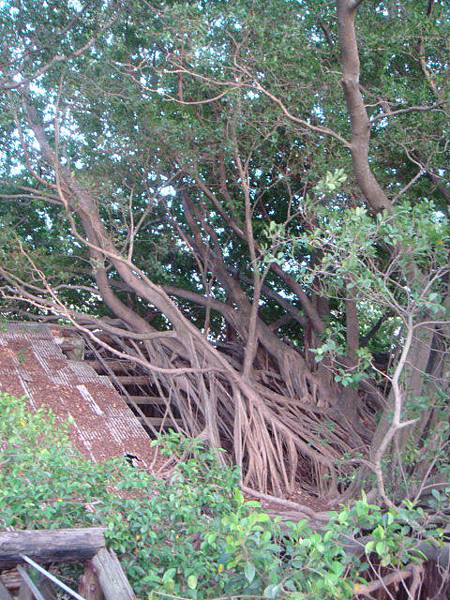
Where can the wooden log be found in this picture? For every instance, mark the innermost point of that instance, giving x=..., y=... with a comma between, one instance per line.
x=89, y=586
x=113, y=581
x=50, y=545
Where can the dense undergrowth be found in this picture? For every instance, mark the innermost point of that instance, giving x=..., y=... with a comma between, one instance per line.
x=193, y=534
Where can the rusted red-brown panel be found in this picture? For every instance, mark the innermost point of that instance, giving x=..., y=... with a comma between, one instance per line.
x=33, y=365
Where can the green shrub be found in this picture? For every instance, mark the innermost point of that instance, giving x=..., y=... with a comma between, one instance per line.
x=193, y=535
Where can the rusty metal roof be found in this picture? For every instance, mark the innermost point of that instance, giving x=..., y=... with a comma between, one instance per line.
x=33, y=365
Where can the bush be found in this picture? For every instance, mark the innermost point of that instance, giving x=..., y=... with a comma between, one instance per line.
x=193, y=535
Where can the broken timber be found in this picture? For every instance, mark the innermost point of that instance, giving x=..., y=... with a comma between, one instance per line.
x=52, y=545
x=68, y=545
x=111, y=577
x=32, y=363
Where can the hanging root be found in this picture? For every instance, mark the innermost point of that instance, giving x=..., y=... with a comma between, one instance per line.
x=279, y=440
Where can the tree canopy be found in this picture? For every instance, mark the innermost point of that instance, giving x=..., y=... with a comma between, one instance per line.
x=251, y=199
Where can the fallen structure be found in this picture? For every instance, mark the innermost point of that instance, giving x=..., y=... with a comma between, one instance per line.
x=103, y=578
x=32, y=364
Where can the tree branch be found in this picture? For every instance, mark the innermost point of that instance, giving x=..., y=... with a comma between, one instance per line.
x=359, y=118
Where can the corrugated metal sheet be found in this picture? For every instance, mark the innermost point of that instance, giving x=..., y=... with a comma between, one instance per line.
x=33, y=365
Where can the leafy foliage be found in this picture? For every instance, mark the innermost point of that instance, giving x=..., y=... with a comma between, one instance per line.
x=194, y=168
x=193, y=534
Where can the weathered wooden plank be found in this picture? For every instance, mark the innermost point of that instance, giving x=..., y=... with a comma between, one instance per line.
x=89, y=586
x=118, y=366
x=50, y=545
x=146, y=400
x=25, y=593
x=4, y=594
x=11, y=579
x=113, y=581
x=47, y=589
x=132, y=379
x=158, y=421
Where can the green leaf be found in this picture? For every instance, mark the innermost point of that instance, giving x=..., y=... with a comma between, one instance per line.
x=249, y=571
x=169, y=575
x=380, y=548
x=192, y=581
x=238, y=496
x=272, y=590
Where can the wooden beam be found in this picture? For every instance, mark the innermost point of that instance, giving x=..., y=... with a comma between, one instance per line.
x=118, y=366
x=47, y=589
x=147, y=400
x=158, y=421
x=89, y=586
x=25, y=593
x=113, y=581
x=11, y=580
x=50, y=545
x=4, y=594
x=132, y=379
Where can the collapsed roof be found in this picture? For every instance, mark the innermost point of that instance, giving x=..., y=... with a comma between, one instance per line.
x=32, y=364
